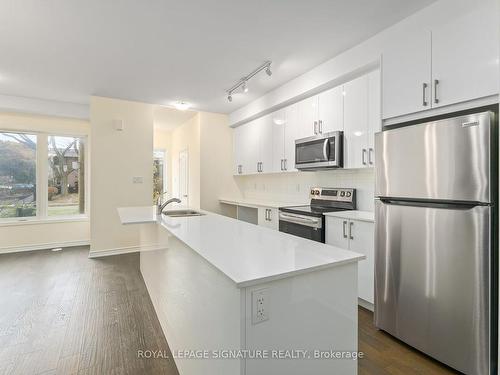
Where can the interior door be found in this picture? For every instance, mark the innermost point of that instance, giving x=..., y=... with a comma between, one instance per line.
x=184, y=177
x=406, y=63
x=356, y=123
x=465, y=54
x=432, y=280
x=331, y=110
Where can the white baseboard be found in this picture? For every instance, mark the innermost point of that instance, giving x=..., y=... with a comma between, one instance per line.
x=42, y=246
x=367, y=305
x=124, y=250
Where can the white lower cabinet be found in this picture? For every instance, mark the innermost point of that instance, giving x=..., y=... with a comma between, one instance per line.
x=358, y=236
x=268, y=217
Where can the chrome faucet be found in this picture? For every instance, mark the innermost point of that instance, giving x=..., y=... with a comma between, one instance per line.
x=161, y=207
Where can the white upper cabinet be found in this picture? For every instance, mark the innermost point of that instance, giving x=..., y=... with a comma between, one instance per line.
x=465, y=56
x=278, y=148
x=308, y=117
x=456, y=60
x=374, y=113
x=356, y=123
x=407, y=74
x=292, y=127
x=238, y=152
x=361, y=120
x=330, y=110
x=251, y=152
x=265, y=146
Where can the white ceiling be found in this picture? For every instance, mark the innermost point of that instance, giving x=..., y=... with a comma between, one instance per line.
x=169, y=118
x=159, y=51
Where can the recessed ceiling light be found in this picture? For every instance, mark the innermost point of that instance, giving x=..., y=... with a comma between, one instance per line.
x=182, y=106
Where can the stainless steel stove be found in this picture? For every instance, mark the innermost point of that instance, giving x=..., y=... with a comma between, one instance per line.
x=309, y=221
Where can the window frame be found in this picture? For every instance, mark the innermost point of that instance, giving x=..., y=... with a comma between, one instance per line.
x=42, y=177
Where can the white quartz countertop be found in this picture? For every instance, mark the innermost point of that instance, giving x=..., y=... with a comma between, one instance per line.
x=246, y=253
x=249, y=202
x=353, y=215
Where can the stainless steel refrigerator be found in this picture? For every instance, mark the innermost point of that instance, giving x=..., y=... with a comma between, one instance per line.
x=435, y=239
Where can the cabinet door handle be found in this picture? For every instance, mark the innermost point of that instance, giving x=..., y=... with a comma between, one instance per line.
x=344, y=224
x=320, y=126
x=436, y=83
x=350, y=230
x=282, y=168
x=286, y=168
x=424, y=96
x=370, y=153
x=315, y=127
x=269, y=215
x=363, y=156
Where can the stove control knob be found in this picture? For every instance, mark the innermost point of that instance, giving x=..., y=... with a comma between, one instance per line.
x=317, y=192
x=348, y=194
x=342, y=193
x=312, y=191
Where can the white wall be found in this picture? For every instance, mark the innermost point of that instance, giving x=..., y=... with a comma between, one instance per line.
x=43, y=234
x=116, y=157
x=216, y=169
x=43, y=107
x=295, y=186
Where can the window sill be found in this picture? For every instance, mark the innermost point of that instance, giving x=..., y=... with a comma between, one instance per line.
x=35, y=221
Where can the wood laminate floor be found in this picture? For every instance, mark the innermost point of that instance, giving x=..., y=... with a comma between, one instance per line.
x=62, y=313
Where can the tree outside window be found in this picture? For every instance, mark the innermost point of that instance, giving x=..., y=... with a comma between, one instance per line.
x=66, y=176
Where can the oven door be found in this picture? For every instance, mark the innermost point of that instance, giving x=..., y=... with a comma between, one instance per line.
x=303, y=226
x=324, y=151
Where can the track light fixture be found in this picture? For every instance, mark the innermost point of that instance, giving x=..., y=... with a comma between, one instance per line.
x=243, y=82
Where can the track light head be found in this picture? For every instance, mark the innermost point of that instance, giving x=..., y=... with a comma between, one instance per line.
x=268, y=71
x=244, y=87
x=229, y=98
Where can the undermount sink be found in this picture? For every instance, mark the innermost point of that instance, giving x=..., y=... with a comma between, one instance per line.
x=182, y=213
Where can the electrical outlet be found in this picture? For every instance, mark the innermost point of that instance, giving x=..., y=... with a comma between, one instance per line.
x=260, y=306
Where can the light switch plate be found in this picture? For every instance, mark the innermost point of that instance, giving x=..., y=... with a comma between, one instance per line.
x=137, y=180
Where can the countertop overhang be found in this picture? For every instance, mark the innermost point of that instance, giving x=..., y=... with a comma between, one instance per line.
x=246, y=253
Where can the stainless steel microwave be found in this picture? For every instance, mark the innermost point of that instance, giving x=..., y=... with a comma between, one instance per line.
x=320, y=152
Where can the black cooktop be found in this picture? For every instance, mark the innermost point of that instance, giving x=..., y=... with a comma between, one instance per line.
x=316, y=211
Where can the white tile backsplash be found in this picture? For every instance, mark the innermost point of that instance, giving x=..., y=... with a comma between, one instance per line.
x=295, y=186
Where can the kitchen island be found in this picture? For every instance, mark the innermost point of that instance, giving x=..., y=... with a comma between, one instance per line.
x=236, y=298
